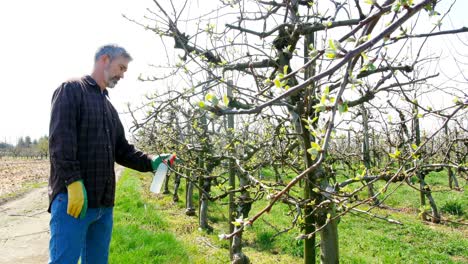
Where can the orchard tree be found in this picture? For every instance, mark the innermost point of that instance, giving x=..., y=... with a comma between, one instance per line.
x=283, y=85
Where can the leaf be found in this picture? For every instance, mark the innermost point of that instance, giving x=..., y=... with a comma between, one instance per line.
x=363, y=39
x=364, y=56
x=315, y=146
x=314, y=150
x=285, y=69
x=371, y=67
x=214, y=100
x=364, y=172
x=277, y=83
x=396, y=154
x=313, y=53
x=414, y=146
x=428, y=7
x=201, y=104
x=209, y=97
x=327, y=24
x=331, y=44
x=319, y=108
x=323, y=100
x=330, y=53
x=226, y=100
x=343, y=108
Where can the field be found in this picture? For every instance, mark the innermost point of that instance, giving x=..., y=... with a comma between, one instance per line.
x=152, y=229
x=18, y=175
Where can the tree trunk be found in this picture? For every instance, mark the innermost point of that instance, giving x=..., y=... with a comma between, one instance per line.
x=244, y=204
x=309, y=219
x=175, y=196
x=189, y=208
x=366, y=153
x=452, y=179
x=329, y=248
x=232, y=179
x=277, y=174
x=166, y=183
x=434, y=211
x=204, y=206
x=204, y=184
x=425, y=190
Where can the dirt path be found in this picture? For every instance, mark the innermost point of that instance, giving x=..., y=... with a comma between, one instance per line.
x=24, y=228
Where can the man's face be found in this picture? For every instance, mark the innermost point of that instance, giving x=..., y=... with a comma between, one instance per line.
x=114, y=70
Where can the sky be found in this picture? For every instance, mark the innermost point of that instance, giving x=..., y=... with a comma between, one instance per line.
x=44, y=43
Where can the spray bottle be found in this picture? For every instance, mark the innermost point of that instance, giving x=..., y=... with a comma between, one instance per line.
x=160, y=174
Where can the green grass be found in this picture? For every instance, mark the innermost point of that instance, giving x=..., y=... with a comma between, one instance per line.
x=366, y=241
x=151, y=228
x=140, y=235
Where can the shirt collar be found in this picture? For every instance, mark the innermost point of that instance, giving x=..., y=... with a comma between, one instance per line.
x=91, y=82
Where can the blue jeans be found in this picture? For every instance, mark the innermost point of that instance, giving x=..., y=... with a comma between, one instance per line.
x=71, y=238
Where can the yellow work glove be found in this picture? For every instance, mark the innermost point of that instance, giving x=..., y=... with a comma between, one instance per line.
x=77, y=199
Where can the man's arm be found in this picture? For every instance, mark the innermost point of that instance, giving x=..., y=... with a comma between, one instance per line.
x=63, y=146
x=63, y=133
x=127, y=155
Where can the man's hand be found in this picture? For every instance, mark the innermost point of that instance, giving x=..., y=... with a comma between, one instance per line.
x=77, y=199
x=166, y=158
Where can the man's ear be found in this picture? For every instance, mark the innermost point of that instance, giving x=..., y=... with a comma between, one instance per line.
x=105, y=59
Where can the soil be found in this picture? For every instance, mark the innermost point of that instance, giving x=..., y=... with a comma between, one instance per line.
x=24, y=221
x=17, y=176
x=24, y=228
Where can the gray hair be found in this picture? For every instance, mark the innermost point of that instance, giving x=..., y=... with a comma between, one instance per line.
x=113, y=51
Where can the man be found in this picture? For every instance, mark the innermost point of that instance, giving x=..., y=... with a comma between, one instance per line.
x=86, y=137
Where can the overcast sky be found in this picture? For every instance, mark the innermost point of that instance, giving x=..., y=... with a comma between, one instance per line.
x=46, y=42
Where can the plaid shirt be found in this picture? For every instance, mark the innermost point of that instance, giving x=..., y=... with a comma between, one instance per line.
x=86, y=137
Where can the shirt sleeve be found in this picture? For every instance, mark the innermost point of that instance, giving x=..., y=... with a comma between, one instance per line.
x=63, y=143
x=127, y=155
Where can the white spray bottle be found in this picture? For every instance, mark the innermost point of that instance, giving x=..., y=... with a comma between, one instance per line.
x=160, y=175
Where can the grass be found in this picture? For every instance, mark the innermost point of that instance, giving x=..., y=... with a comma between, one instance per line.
x=140, y=235
x=152, y=228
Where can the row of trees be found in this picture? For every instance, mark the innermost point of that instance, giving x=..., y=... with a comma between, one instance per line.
x=343, y=94
x=25, y=147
